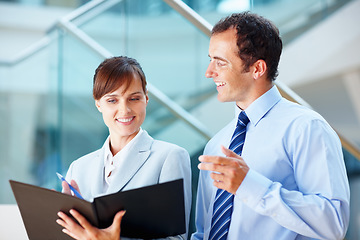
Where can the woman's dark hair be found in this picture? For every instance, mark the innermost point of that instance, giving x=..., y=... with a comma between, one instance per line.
x=113, y=72
x=257, y=38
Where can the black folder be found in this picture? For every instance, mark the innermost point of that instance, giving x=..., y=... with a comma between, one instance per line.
x=155, y=211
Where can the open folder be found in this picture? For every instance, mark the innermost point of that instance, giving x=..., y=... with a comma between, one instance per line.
x=154, y=211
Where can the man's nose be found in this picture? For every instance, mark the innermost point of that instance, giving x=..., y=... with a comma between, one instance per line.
x=210, y=73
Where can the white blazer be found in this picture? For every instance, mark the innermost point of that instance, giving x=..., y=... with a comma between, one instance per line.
x=151, y=162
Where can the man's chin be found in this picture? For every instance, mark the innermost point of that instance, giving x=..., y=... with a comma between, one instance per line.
x=222, y=99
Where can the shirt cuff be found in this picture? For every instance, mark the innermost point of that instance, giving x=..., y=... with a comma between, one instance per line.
x=253, y=188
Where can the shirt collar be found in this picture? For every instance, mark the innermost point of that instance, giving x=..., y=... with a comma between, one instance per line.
x=257, y=109
x=107, y=153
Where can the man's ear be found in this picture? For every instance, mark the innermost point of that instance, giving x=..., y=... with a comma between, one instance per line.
x=97, y=104
x=259, y=69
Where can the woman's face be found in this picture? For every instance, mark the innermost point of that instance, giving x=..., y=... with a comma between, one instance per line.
x=124, y=111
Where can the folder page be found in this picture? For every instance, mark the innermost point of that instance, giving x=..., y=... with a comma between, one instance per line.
x=39, y=207
x=154, y=211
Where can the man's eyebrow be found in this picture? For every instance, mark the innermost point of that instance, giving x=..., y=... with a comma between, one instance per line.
x=219, y=58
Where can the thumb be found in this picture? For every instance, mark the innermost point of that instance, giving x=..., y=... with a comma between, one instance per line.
x=117, y=219
x=228, y=152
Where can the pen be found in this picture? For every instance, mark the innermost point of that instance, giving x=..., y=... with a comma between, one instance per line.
x=71, y=187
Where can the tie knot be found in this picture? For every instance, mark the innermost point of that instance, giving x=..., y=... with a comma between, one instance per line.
x=243, y=119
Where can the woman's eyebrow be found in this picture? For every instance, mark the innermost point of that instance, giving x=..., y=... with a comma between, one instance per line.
x=138, y=92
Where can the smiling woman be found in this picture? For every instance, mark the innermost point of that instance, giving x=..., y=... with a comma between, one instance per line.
x=124, y=106
x=129, y=158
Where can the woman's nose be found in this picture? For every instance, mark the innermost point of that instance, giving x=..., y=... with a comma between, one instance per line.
x=123, y=107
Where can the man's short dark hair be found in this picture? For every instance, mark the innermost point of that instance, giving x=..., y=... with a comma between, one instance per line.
x=257, y=38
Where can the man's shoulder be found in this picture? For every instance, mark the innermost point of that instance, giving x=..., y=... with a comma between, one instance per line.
x=294, y=111
x=289, y=115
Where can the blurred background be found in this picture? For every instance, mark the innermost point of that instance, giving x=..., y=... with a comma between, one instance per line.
x=49, y=50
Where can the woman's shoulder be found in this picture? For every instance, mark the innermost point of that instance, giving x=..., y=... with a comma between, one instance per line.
x=162, y=145
x=166, y=146
x=87, y=158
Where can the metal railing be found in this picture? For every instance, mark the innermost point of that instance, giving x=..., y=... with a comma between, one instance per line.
x=27, y=53
x=66, y=24
x=189, y=14
x=285, y=91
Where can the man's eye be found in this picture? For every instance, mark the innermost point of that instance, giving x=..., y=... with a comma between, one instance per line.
x=220, y=63
x=134, y=99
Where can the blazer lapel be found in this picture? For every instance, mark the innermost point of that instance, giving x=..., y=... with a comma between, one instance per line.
x=97, y=179
x=135, y=159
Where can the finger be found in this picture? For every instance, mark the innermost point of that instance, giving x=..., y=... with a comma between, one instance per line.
x=70, y=234
x=65, y=220
x=213, y=167
x=219, y=185
x=214, y=159
x=217, y=177
x=60, y=222
x=75, y=185
x=66, y=188
x=81, y=219
x=70, y=227
x=223, y=182
x=228, y=152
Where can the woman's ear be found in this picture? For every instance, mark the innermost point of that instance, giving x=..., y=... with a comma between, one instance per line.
x=97, y=104
x=259, y=69
x=147, y=97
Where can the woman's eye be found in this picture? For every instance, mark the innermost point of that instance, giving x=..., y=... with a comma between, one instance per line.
x=111, y=101
x=134, y=99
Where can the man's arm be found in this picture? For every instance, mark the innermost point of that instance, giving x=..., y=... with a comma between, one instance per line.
x=318, y=208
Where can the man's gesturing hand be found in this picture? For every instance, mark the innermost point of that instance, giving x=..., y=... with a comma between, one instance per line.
x=228, y=172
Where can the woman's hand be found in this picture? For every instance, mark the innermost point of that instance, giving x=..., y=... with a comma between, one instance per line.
x=66, y=188
x=85, y=231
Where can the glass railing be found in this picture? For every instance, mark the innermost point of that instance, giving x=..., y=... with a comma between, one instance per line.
x=167, y=45
x=61, y=122
x=47, y=113
x=28, y=122
x=80, y=121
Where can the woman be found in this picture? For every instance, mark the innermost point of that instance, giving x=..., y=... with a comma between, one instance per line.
x=129, y=158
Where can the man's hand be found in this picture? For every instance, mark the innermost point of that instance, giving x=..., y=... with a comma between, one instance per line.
x=85, y=231
x=228, y=172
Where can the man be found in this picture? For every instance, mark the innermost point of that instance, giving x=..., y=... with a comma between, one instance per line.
x=290, y=181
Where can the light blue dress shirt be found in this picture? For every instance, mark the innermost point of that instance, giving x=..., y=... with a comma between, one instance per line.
x=297, y=187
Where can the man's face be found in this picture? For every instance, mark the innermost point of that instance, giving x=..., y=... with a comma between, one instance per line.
x=226, y=68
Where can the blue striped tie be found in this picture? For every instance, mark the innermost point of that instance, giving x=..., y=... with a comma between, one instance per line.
x=223, y=204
